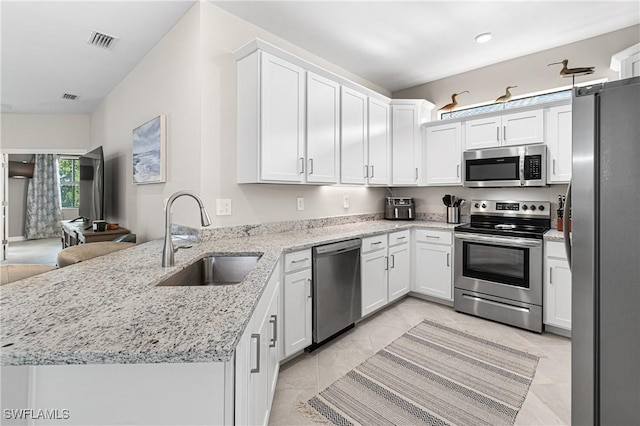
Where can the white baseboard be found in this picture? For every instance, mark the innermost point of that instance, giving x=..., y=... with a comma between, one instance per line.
x=20, y=238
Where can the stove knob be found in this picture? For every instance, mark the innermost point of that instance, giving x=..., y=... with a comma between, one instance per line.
x=525, y=207
x=476, y=205
x=484, y=206
x=533, y=208
x=541, y=208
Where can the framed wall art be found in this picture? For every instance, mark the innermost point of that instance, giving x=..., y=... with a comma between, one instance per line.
x=150, y=151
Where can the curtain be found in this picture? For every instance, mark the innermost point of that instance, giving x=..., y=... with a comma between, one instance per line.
x=44, y=208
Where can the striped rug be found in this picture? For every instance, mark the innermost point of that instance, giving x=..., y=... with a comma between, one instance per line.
x=434, y=375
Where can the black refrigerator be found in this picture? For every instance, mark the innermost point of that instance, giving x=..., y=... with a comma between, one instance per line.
x=604, y=254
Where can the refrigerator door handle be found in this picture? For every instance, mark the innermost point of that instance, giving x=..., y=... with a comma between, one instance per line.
x=565, y=225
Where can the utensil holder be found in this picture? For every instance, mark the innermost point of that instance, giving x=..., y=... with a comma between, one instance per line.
x=453, y=214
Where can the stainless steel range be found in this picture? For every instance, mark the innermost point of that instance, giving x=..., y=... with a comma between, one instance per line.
x=498, y=262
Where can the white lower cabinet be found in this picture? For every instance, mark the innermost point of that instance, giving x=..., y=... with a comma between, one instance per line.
x=433, y=262
x=557, y=286
x=257, y=359
x=297, y=302
x=385, y=269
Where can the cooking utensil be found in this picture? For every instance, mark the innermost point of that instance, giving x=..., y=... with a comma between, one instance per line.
x=447, y=200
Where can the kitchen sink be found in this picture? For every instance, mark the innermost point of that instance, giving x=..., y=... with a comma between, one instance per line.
x=214, y=270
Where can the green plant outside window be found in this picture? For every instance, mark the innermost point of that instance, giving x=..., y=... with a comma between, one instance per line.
x=69, y=182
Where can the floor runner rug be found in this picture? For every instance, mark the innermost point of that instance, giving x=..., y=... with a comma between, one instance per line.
x=431, y=375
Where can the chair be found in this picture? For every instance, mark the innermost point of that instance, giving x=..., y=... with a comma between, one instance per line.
x=82, y=252
x=11, y=273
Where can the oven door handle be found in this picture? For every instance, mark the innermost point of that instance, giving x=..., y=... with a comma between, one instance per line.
x=511, y=242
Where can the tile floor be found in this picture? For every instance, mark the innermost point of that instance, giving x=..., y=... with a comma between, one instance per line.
x=548, y=401
x=43, y=251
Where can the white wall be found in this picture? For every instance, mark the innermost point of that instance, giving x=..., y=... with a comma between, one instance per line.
x=166, y=81
x=190, y=76
x=45, y=131
x=530, y=73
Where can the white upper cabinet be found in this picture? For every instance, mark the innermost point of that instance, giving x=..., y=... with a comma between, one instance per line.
x=271, y=104
x=518, y=128
x=558, y=140
x=353, y=137
x=443, y=154
x=379, y=149
x=323, y=106
x=407, y=116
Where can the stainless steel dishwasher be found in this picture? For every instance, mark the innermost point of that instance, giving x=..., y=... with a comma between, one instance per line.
x=336, y=289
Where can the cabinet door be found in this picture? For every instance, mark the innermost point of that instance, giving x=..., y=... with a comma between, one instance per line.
x=482, y=133
x=297, y=311
x=353, y=136
x=374, y=280
x=522, y=128
x=443, y=154
x=630, y=66
x=258, y=403
x=557, y=303
x=559, y=143
x=433, y=270
x=282, y=120
x=323, y=98
x=405, y=143
x=399, y=271
x=273, y=344
x=379, y=142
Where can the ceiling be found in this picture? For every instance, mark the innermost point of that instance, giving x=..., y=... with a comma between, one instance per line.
x=45, y=53
x=395, y=44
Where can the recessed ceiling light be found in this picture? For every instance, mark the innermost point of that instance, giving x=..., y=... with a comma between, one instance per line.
x=483, y=38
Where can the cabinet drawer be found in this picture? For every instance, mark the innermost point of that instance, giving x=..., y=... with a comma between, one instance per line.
x=433, y=236
x=396, y=238
x=374, y=243
x=555, y=249
x=297, y=260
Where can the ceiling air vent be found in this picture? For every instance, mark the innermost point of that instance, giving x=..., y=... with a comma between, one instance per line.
x=102, y=40
x=69, y=96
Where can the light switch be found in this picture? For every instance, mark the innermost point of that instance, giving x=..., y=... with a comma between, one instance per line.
x=300, y=203
x=223, y=207
x=345, y=202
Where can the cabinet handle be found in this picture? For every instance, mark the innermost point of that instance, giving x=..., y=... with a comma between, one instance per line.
x=504, y=133
x=433, y=236
x=458, y=170
x=300, y=260
x=366, y=171
x=257, y=337
x=376, y=243
x=274, y=321
x=550, y=275
x=416, y=173
x=401, y=238
x=554, y=166
x=372, y=171
x=393, y=261
x=498, y=133
x=310, y=294
x=310, y=166
x=386, y=263
x=448, y=257
x=301, y=165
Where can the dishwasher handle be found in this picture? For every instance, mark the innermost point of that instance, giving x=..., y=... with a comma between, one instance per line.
x=339, y=247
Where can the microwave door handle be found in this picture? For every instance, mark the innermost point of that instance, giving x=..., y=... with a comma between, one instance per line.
x=522, y=158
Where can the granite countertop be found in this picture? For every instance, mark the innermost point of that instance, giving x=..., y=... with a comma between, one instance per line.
x=108, y=310
x=553, y=235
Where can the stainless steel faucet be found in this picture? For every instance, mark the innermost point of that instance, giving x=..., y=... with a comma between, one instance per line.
x=168, y=249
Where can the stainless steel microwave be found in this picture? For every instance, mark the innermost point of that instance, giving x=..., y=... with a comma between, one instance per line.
x=510, y=166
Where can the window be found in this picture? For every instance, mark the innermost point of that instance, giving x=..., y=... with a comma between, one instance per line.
x=69, y=181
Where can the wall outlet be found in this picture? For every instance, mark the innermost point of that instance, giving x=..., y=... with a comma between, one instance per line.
x=223, y=207
x=300, y=203
x=345, y=202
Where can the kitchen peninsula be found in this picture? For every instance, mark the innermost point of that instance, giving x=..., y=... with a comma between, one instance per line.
x=116, y=348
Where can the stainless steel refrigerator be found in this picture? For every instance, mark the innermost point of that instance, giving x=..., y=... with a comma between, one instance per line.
x=605, y=254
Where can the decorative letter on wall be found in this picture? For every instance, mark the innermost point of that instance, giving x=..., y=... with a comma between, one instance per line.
x=149, y=151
